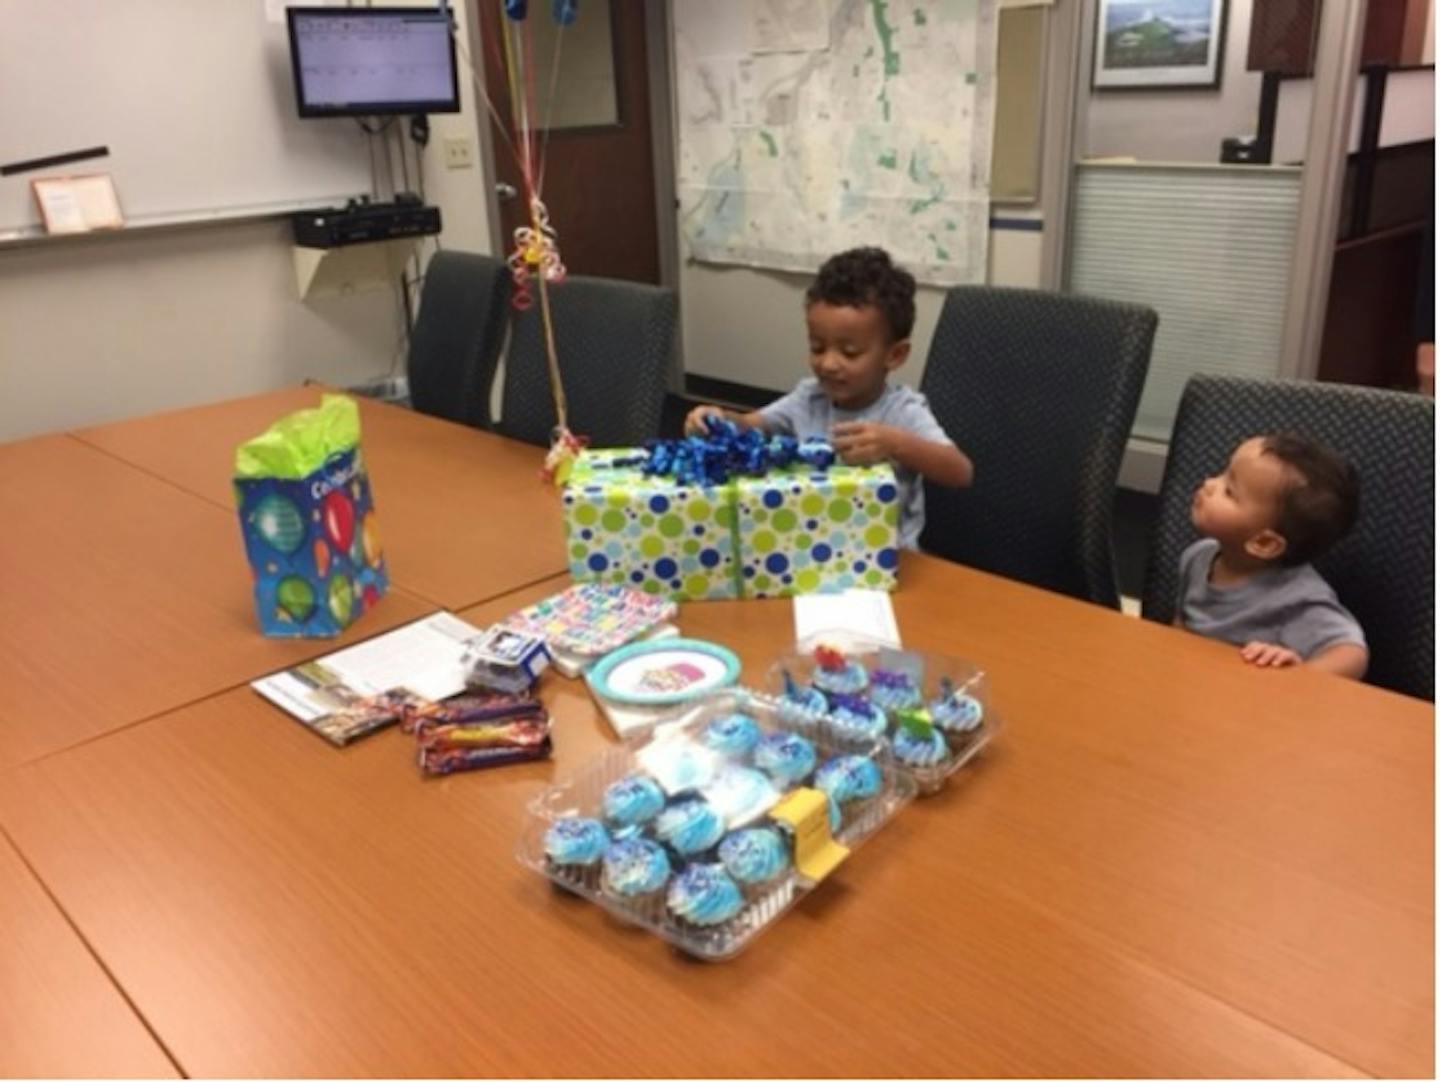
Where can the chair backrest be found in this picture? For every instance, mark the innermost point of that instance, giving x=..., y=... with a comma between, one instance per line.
x=616, y=345
x=1384, y=569
x=1040, y=390
x=455, y=344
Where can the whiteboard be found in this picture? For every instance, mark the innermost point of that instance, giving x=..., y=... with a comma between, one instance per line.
x=194, y=98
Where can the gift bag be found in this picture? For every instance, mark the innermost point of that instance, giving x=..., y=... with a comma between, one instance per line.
x=309, y=522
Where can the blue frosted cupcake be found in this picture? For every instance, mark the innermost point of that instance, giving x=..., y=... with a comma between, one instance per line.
x=834, y=674
x=631, y=800
x=754, y=856
x=576, y=842
x=805, y=698
x=704, y=894
x=735, y=735
x=893, y=690
x=955, y=712
x=919, y=744
x=786, y=757
x=853, y=716
x=848, y=777
x=689, y=826
x=634, y=868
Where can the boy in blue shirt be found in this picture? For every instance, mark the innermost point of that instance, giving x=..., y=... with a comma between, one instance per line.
x=1282, y=501
x=859, y=312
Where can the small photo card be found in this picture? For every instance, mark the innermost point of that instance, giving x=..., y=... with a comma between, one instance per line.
x=78, y=204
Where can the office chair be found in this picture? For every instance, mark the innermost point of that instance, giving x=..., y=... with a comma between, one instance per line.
x=616, y=345
x=1384, y=569
x=1040, y=390
x=455, y=344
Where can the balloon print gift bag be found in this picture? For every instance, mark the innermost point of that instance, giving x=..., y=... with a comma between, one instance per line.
x=309, y=522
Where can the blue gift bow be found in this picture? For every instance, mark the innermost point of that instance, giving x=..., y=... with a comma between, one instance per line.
x=723, y=451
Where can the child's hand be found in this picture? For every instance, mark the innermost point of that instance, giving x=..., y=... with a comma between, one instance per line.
x=864, y=443
x=695, y=419
x=1269, y=655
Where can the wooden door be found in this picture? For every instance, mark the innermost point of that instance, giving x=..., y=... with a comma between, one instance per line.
x=599, y=181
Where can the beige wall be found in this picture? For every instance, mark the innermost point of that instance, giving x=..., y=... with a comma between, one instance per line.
x=98, y=329
x=745, y=326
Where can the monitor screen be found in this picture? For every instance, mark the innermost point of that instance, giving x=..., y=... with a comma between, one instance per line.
x=368, y=61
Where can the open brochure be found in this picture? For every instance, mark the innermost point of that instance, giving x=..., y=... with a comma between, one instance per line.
x=355, y=691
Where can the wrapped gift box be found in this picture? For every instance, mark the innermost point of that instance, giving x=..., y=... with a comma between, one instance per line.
x=796, y=530
x=649, y=532
x=804, y=531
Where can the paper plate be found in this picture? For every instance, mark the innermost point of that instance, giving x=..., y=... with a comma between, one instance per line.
x=663, y=672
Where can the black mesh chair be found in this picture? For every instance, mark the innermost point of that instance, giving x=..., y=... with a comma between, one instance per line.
x=1040, y=390
x=455, y=344
x=1384, y=569
x=616, y=344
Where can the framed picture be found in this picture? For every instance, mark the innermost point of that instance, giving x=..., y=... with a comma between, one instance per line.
x=1156, y=44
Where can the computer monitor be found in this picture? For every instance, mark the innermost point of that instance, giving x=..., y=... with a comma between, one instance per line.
x=372, y=61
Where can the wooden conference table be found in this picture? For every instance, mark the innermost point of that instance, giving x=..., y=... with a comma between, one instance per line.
x=1167, y=863
x=464, y=517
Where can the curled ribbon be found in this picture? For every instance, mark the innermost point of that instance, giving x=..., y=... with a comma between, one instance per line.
x=726, y=450
x=565, y=448
x=537, y=251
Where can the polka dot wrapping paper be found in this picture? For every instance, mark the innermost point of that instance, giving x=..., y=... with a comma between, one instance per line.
x=793, y=531
x=802, y=532
x=650, y=532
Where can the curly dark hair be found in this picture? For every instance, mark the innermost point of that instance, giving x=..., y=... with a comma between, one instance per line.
x=864, y=276
x=1322, y=503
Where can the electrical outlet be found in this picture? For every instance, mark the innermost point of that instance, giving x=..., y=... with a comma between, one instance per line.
x=459, y=154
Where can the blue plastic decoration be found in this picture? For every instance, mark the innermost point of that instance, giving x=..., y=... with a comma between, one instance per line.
x=515, y=9
x=566, y=11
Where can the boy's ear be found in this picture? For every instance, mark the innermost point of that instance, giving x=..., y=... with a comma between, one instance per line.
x=896, y=355
x=1266, y=545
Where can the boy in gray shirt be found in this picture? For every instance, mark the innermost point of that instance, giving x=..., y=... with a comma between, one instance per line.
x=1282, y=501
x=859, y=312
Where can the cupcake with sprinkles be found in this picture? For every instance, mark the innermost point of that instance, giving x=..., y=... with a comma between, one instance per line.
x=954, y=712
x=893, y=690
x=704, y=894
x=787, y=757
x=848, y=777
x=809, y=699
x=576, y=842
x=689, y=826
x=852, y=716
x=734, y=735
x=835, y=674
x=917, y=742
x=755, y=856
x=632, y=800
x=634, y=869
